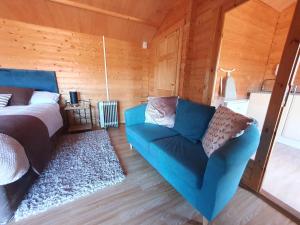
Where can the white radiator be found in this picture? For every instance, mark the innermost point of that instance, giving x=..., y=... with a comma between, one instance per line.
x=108, y=114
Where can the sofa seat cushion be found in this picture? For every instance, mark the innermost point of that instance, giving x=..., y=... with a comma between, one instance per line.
x=186, y=160
x=143, y=134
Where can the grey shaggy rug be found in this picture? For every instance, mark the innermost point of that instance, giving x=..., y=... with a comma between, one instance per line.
x=84, y=163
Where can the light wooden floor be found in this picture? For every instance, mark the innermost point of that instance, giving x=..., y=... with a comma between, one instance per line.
x=282, y=174
x=145, y=198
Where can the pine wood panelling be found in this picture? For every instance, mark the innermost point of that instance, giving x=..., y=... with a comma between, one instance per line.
x=128, y=71
x=52, y=14
x=78, y=61
x=186, y=30
x=279, y=5
x=144, y=198
x=279, y=39
x=175, y=14
x=102, y=11
x=153, y=11
x=247, y=37
x=204, y=21
x=178, y=18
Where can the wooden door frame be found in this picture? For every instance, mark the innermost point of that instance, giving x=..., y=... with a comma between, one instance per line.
x=216, y=50
x=282, y=87
x=255, y=171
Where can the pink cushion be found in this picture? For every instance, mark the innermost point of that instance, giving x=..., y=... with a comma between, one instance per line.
x=161, y=111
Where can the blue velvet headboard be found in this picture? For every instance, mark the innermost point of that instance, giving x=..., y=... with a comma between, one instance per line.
x=37, y=79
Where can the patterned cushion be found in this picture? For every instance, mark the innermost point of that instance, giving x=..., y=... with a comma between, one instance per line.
x=224, y=125
x=4, y=98
x=161, y=111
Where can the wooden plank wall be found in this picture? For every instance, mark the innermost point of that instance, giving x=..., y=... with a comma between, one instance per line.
x=205, y=21
x=203, y=26
x=279, y=39
x=247, y=38
x=78, y=61
x=177, y=18
x=128, y=70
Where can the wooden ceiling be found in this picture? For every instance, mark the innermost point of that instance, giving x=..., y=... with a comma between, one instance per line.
x=131, y=20
x=152, y=11
x=279, y=5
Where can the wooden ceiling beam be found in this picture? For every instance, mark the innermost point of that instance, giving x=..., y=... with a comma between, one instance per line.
x=103, y=11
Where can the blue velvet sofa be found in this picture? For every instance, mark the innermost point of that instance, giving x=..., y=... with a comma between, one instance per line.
x=177, y=154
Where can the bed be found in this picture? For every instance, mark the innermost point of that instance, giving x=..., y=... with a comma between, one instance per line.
x=49, y=114
x=32, y=126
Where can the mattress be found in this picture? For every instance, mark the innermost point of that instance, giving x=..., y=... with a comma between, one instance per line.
x=49, y=114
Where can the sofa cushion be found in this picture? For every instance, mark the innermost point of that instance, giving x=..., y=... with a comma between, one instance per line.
x=224, y=126
x=192, y=119
x=183, y=158
x=161, y=111
x=143, y=134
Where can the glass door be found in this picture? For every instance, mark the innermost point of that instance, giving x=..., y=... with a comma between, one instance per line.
x=275, y=172
x=281, y=181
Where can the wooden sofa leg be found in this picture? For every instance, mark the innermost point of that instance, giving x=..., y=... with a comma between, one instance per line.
x=204, y=221
x=131, y=146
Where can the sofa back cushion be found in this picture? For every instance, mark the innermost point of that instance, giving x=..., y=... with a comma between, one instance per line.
x=192, y=119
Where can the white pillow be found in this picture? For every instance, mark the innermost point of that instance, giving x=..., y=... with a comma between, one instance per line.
x=42, y=97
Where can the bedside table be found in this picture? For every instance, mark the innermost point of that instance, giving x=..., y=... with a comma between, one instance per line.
x=79, y=117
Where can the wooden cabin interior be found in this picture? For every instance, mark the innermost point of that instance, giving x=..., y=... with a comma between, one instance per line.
x=116, y=94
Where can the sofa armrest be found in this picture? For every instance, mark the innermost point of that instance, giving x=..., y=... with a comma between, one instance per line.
x=224, y=170
x=135, y=115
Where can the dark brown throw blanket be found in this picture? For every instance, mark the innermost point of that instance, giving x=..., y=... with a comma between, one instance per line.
x=12, y=194
x=32, y=134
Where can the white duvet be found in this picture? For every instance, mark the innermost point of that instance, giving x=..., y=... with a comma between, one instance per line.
x=13, y=160
x=49, y=114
